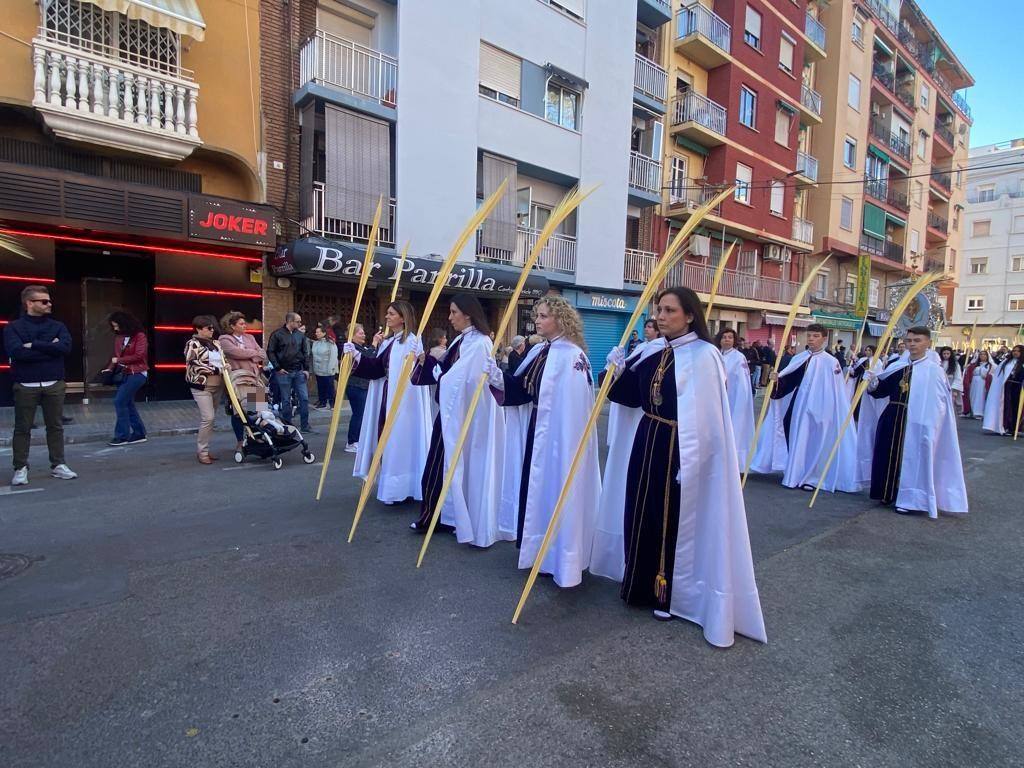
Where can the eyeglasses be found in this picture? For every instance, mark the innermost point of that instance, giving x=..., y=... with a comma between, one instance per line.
x=41, y=301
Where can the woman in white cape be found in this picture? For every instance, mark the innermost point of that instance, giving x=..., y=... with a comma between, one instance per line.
x=737, y=384
x=474, y=499
x=556, y=379
x=687, y=545
x=994, y=404
x=401, y=465
x=977, y=381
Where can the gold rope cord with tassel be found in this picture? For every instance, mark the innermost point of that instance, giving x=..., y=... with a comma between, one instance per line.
x=568, y=204
x=719, y=271
x=793, y=309
x=922, y=282
x=672, y=254
x=346, y=362
x=440, y=283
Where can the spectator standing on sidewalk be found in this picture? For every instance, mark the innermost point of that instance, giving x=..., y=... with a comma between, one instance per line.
x=204, y=374
x=37, y=345
x=753, y=361
x=245, y=359
x=131, y=352
x=325, y=367
x=356, y=390
x=286, y=351
x=767, y=361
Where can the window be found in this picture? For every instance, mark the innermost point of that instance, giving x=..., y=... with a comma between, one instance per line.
x=850, y=153
x=1016, y=302
x=922, y=144
x=821, y=285
x=786, y=54
x=873, y=292
x=744, y=175
x=1018, y=223
x=748, y=107
x=981, y=228
x=846, y=214
x=952, y=260
x=777, y=198
x=975, y=303
x=573, y=8
x=918, y=194
x=1017, y=264
x=915, y=241
x=853, y=92
x=562, y=106
x=958, y=176
x=979, y=266
x=752, y=29
x=500, y=73
x=782, y=123
x=677, y=180
x=747, y=261
x=857, y=31
x=986, y=193
x=926, y=94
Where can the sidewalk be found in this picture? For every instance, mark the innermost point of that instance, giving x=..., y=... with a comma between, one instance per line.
x=95, y=422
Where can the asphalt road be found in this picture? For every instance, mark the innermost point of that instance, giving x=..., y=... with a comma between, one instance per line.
x=181, y=615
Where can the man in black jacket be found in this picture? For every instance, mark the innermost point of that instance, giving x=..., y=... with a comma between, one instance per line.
x=37, y=345
x=287, y=351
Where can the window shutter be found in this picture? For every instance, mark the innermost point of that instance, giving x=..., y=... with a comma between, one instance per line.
x=499, y=229
x=358, y=162
x=778, y=196
x=874, y=220
x=753, y=25
x=499, y=71
x=786, y=54
x=782, y=127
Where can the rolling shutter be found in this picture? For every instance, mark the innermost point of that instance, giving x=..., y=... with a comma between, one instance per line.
x=499, y=71
x=874, y=220
x=602, y=331
x=358, y=165
x=499, y=229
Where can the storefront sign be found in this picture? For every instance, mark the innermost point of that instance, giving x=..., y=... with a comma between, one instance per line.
x=230, y=221
x=605, y=301
x=332, y=260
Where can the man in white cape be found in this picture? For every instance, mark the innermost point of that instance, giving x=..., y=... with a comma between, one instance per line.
x=916, y=463
x=809, y=405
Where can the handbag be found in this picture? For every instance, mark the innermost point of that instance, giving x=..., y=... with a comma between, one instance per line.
x=111, y=377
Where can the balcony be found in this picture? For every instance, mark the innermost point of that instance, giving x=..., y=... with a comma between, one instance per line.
x=816, y=34
x=699, y=119
x=654, y=13
x=693, y=193
x=942, y=181
x=343, y=65
x=559, y=255
x=803, y=230
x=740, y=285
x=884, y=15
x=944, y=134
x=645, y=178
x=638, y=265
x=703, y=36
x=938, y=224
x=884, y=135
x=89, y=93
x=897, y=199
x=352, y=231
x=905, y=95
x=884, y=249
x=885, y=76
x=933, y=264
x=810, y=104
x=650, y=81
x=807, y=167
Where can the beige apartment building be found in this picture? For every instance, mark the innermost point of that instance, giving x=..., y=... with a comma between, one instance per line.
x=893, y=144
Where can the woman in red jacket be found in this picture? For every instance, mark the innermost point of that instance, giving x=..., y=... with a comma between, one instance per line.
x=131, y=348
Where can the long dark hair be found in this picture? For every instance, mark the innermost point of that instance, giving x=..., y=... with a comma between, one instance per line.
x=722, y=332
x=126, y=323
x=951, y=363
x=408, y=313
x=1020, y=359
x=470, y=305
x=690, y=303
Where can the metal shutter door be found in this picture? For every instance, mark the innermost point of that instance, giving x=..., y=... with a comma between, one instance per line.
x=603, y=331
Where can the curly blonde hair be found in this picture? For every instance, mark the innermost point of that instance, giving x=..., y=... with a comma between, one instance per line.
x=568, y=319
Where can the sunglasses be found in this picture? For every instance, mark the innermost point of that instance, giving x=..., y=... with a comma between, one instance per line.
x=41, y=301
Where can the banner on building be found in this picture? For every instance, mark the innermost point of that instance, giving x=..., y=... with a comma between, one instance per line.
x=863, y=283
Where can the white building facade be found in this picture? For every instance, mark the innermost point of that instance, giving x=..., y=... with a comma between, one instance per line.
x=991, y=268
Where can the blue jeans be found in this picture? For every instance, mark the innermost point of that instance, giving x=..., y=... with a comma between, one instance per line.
x=357, y=399
x=128, y=424
x=294, y=381
x=325, y=390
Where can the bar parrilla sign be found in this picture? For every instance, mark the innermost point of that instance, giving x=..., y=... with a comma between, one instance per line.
x=230, y=221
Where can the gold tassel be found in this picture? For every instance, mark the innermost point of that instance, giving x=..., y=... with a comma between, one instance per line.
x=661, y=587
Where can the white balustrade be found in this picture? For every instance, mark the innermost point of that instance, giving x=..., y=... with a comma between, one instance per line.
x=650, y=79
x=352, y=231
x=693, y=107
x=638, y=266
x=644, y=173
x=348, y=66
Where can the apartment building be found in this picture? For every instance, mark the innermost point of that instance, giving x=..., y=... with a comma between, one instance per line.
x=742, y=105
x=989, y=301
x=430, y=111
x=893, y=144
x=130, y=171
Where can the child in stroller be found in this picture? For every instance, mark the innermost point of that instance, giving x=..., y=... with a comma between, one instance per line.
x=266, y=436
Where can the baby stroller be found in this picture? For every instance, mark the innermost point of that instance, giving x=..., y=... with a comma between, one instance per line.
x=267, y=437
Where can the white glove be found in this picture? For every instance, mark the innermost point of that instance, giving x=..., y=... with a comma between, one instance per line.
x=872, y=379
x=616, y=357
x=351, y=349
x=494, y=375
x=417, y=346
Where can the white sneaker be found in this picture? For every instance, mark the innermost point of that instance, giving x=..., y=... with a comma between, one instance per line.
x=63, y=472
x=351, y=447
x=20, y=477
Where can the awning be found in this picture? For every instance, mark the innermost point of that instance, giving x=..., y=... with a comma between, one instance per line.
x=838, y=322
x=879, y=153
x=181, y=16
x=320, y=258
x=780, y=320
x=693, y=146
x=896, y=219
x=567, y=77
x=876, y=329
x=883, y=46
x=874, y=221
x=785, y=106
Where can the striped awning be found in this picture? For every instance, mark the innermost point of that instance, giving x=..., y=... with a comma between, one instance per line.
x=181, y=16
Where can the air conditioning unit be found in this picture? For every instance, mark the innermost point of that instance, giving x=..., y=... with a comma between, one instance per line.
x=773, y=253
x=700, y=245
x=787, y=254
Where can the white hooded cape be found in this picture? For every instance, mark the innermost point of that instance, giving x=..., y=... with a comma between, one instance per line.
x=931, y=472
x=401, y=466
x=994, y=402
x=741, y=401
x=474, y=499
x=978, y=390
x=820, y=405
x=563, y=406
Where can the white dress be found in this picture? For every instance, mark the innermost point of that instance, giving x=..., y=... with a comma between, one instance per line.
x=741, y=402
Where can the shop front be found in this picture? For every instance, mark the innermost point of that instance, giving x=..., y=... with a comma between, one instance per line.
x=776, y=327
x=163, y=255
x=842, y=328
x=605, y=317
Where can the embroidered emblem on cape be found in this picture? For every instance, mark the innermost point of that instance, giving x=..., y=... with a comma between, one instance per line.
x=582, y=364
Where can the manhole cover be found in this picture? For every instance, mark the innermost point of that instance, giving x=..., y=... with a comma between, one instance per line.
x=12, y=565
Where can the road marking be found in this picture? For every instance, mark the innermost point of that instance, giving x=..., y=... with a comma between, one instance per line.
x=240, y=466
x=7, y=490
x=105, y=451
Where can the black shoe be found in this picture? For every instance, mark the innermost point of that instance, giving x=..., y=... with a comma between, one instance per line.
x=66, y=420
x=136, y=439
x=307, y=431
x=118, y=441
